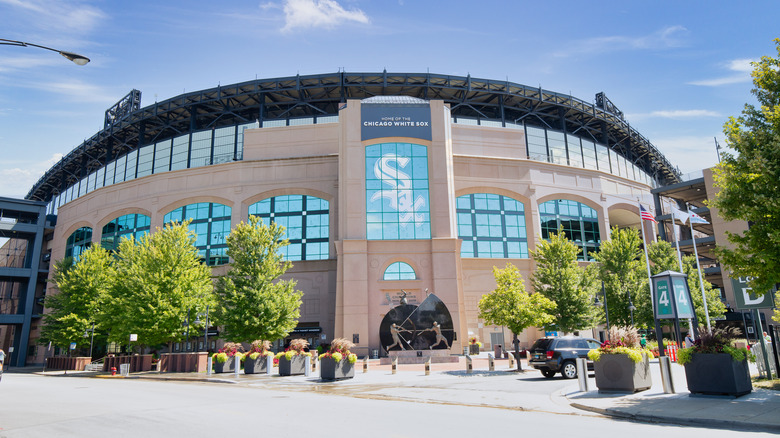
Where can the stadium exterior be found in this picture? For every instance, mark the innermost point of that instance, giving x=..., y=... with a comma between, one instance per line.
x=385, y=182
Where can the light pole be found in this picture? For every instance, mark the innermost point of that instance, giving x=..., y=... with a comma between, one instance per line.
x=606, y=307
x=91, y=339
x=75, y=57
x=187, y=324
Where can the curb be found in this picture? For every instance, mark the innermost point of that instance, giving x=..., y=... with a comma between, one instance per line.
x=697, y=422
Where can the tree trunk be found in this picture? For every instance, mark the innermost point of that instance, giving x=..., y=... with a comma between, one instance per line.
x=517, y=351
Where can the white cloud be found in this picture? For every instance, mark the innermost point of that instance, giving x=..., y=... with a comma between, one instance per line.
x=57, y=17
x=17, y=181
x=318, y=14
x=742, y=69
x=672, y=36
x=76, y=90
x=674, y=114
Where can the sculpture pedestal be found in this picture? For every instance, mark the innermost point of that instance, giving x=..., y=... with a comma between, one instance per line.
x=419, y=357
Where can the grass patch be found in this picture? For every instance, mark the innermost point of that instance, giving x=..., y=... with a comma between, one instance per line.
x=773, y=384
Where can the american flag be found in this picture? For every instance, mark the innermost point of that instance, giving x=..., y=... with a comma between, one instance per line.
x=646, y=215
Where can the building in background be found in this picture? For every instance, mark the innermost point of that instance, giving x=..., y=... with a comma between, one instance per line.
x=386, y=182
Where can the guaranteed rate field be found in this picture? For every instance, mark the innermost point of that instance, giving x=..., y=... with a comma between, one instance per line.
x=385, y=183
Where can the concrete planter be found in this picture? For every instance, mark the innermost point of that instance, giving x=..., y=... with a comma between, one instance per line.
x=332, y=370
x=618, y=373
x=294, y=367
x=717, y=374
x=255, y=366
x=228, y=366
x=473, y=349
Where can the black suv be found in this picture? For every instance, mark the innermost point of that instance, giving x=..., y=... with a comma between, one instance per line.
x=552, y=355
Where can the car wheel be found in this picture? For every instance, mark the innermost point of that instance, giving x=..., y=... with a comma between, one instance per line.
x=569, y=370
x=548, y=373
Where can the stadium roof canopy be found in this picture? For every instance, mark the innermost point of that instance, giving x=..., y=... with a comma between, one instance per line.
x=320, y=95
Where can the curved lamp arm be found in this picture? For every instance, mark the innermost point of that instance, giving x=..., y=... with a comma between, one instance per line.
x=75, y=57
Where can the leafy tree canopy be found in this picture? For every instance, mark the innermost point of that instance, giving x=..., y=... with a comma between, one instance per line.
x=160, y=281
x=749, y=181
x=621, y=268
x=559, y=277
x=253, y=302
x=82, y=286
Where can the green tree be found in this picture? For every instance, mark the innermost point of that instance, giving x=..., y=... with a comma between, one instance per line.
x=664, y=258
x=559, y=277
x=253, y=302
x=510, y=305
x=160, y=281
x=621, y=268
x=83, y=286
x=749, y=181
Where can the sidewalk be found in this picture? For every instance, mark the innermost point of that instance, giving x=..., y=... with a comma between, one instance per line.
x=505, y=389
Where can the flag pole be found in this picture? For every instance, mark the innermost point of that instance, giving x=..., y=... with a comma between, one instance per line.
x=674, y=233
x=701, y=281
x=647, y=258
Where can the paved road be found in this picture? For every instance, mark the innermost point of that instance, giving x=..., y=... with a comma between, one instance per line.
x=50, y=406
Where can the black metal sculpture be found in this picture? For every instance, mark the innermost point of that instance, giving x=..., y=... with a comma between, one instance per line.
x=424, y=327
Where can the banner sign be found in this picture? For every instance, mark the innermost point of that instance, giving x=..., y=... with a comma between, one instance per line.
x=747, y=299
x=399, y=120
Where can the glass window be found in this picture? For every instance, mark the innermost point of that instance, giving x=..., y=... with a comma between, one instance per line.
x=537, y=143
x=399, y=271
x=162, y=156
x=99, y=177
x=580, y=224
x=110, y=173
x=491, y=226
x=224, y=141
x=575, y=150
x=132, y=159
x=211, y=223
x=180, y=151
x=615, y=162
x=306, y=222
x=589, y=155
x=145, y=157
x=557, y=147
x=127, y=226
x=78, y=242
x=201, y=149
x=119, y=176
x=603, y=158
x=397, y=203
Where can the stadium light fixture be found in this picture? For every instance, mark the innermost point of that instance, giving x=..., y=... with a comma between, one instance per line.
x=75, y=57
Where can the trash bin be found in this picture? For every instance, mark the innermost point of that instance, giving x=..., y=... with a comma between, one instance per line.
x=124, y=369
x=497, y=350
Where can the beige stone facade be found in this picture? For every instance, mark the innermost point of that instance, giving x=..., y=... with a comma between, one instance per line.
x=346, y=294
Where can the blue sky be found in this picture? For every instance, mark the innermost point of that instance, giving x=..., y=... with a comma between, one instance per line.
x=677, y=69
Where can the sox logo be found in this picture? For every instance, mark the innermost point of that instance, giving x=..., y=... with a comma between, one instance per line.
x=400, y=193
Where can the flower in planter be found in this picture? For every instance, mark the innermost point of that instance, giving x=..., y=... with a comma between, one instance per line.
x=230, y=349
x=339, y=349
x=297, y=347
x=622, y=340
x=259, y=348
x=720, y=340
x=475, y=341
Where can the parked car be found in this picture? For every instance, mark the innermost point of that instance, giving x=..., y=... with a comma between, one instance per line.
x=559, y=354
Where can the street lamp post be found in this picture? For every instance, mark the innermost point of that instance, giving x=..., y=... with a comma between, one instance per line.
x=75, y=57
x=606, y=307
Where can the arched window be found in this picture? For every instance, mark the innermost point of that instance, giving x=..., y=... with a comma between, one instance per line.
x=130, y=225
x=78, y=242
x=211, y=223
x=491, y=226
x=399, y=271
x=580, y=224
x=306, y=222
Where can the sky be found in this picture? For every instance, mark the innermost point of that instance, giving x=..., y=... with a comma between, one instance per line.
x=677, y=69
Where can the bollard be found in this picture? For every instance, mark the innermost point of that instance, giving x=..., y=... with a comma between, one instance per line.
x=307, y=366
x=209, y=363
x=395, y=364
x=269, y=365
x=428, y=366
x=365, y=364
x=236, y=365
x=511, y=361
x=582, y=373
x=666, y=374
x=491, y=363
x=315, y=362
x=469, y=366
